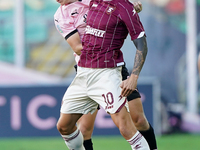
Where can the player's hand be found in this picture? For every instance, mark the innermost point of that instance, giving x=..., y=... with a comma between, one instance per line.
x=138, y=6
x=128, y=85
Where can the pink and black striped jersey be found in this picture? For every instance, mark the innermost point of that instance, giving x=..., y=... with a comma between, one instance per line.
x=108, y=24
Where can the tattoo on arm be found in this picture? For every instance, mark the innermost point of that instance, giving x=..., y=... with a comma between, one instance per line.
x=138, y=63
x=140, y=55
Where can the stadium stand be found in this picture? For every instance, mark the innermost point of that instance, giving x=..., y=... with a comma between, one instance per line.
x=45, y=49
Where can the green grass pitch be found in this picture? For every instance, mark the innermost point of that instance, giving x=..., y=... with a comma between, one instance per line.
x=166, y=142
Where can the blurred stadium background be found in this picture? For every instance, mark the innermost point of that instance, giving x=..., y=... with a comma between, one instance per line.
x=36, y=67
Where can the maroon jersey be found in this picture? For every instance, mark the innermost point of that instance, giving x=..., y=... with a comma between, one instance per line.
x=108, y=24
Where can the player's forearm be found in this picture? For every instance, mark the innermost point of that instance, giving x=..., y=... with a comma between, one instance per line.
x=77, y=49
x=75, y=42
x=140, y=55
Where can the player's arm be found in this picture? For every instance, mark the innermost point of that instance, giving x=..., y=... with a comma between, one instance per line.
x=68, y=31
x=140, y=56
x=129, y=85
x=137, y=34
x=75, y=42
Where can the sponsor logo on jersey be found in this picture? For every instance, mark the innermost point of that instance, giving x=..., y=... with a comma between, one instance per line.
x=85, y=18
x=94, y=5
x=59, y=29
x=93, y=31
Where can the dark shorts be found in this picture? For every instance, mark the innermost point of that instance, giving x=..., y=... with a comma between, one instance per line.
x=75, y=67
x=135, y=94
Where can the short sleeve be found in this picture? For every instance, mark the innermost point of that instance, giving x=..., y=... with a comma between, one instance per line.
x=64, y=24
x=86, y=2
x=131, y=20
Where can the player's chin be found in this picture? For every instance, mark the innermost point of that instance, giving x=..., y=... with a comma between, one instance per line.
x=58, y=1
x=62, y=4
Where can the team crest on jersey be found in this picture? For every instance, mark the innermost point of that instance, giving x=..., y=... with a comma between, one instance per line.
x=85, y=18
x=110, y=9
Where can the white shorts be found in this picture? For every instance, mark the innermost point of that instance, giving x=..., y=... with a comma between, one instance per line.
x=93, y=86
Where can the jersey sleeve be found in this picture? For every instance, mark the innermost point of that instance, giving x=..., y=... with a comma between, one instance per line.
x=64, y=24
x=86, y=2
x=132, y=20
